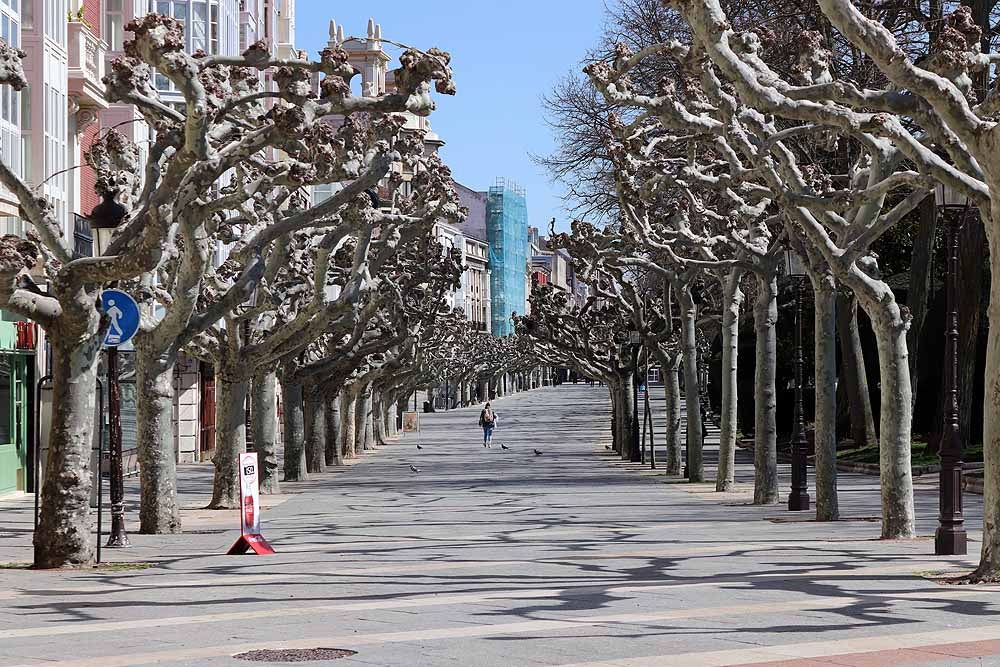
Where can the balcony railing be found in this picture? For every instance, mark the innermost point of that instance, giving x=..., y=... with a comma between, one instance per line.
x=86, y=66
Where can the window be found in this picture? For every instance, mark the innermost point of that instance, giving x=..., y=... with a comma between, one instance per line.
x=213, y=29
x=55, y=20
x=199, y=26
x=114, y=22
x=5, y=399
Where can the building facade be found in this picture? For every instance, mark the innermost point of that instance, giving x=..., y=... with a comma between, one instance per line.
x=507, y=234
x=44, y=133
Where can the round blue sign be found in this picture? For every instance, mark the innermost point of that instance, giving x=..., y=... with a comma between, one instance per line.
x=123, y=313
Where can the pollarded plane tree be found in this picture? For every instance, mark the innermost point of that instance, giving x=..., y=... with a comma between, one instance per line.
x=408, y=300
x=254, y=214
x=836, y=216
x=196, y=144
x=927, y=113
x=839, y=223
x=597, y=257
x=256, y=210
x=318, y=286
x=588, y=339
x=694, y=223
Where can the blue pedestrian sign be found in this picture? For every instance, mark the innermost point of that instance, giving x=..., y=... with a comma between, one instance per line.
x=123, y=313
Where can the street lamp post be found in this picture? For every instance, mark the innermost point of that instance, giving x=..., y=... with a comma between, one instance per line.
x=798, y=499
x=636, y=345
x=104, y=221
x=950, y=537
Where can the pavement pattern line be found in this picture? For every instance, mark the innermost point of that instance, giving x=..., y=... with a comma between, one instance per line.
x=910, y=566
x=480, y=630
x=447, y=600
x=826, y=650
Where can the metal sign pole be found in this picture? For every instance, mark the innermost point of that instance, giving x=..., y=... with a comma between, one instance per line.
x=38, y=442
x=100, y=462
x=117, y=537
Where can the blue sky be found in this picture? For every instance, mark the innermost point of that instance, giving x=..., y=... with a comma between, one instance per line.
x=505, y=56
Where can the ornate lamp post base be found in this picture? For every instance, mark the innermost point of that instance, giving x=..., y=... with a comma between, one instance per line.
x=950, y=537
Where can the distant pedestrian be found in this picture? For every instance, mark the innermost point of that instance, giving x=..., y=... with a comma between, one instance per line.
x=487, y=419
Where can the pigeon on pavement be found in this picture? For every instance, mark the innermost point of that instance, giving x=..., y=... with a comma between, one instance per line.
x=414, y=468
x=503, y=446
x=605, y=446
x=537, y=453
x=419, y=447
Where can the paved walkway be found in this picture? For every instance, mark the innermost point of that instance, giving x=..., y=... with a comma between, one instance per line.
x=501, y=557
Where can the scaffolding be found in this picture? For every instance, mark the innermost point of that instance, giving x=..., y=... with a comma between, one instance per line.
x=507, y=232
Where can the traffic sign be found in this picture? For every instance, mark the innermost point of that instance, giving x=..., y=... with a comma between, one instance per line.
x=123, y=312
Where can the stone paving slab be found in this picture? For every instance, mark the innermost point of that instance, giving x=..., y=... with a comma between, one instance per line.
x=494, y=557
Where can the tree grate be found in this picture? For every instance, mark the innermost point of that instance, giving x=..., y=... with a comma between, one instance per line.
x=295, y=654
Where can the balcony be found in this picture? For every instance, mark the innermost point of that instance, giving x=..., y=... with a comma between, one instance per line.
x=86, y=67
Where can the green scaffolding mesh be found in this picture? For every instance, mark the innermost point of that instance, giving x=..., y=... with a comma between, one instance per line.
x=507, y=232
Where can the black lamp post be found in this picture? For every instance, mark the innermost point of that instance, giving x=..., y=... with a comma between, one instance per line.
x=104, y=221
x=798, y=498
x=950, y=537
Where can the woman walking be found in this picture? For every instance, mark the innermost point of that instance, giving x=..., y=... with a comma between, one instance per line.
x=487, y=419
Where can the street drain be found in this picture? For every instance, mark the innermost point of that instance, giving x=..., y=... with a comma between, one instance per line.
x=295, y=654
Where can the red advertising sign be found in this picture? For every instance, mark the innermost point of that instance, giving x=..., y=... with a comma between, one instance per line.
x=250, y=537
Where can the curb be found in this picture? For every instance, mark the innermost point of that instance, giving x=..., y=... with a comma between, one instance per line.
x=970, y=484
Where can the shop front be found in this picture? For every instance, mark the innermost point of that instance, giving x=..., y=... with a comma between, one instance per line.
x=17, y=346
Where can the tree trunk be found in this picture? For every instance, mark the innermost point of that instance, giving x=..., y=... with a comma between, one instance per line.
x=971, y=273
x=264, y=422
x=765, y=316
x=231, y=424
x=989, y=561
x=159, y=513
x=363, y=414
x=672, y=397
x=616, y=439
x=921, y=273
x=64, y=535
x=315, y=423
x=855, y=375
x=294, y=429
x=626, y=395
x=334, y=454
x=896, y=418
x=695, y=426
x=726, y=476
x=348, y=427
x=825, y=296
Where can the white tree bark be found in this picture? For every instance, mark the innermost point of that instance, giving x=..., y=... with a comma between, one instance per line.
x=855, y=374
x=989, y=563
x=732, y=303
x=334, y=453
x=159, y=512
x=230, y=424
x=64, y=536
x=363, y=419
x=825, y=297
x=348, y=427
x=672, y=398
x=264, y=421
x=689, y=345
x=898, y=520
x=765, y=314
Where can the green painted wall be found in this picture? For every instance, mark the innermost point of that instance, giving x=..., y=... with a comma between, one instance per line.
x=13, y=414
